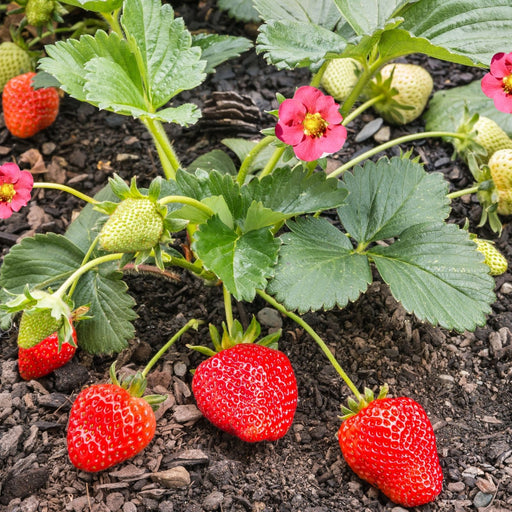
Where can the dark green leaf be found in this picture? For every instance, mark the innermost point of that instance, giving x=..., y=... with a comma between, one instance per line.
x=214, y=160
x=239, y=9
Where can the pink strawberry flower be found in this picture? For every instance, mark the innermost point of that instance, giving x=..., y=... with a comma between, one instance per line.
x=15, y=188
x=497, y=84
x=310, y=122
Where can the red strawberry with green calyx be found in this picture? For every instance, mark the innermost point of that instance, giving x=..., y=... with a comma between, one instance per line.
x=110, y=423
x=246, y=389
x=390, y=443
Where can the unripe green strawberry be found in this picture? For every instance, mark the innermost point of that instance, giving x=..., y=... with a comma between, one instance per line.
x=35, y=326
x=414, y=85
x=340, y=76
x=39, y=12
x=14, y=61
x=491, y=136
x=500, y=165
x=136, y=225
x=496, y=262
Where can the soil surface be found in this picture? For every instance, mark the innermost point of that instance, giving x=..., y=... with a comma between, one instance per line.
x=462, y=380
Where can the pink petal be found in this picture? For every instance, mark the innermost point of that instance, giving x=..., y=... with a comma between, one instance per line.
x=503, y=102
x=10, y=172
x=291, y=135
x=5, y=210
x=309, y=97
x=291, y=111
x=491, y=85
x=333, y=139
x=501, y=65
x=25, y=181
x=308, y=150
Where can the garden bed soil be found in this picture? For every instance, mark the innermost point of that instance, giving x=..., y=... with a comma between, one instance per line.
x=463, y=380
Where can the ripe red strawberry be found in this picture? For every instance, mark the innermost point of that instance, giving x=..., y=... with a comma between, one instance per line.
x=38, y=344
x=390, y=443
x=28, y=110
x=248, y=390
x=108, y=425
x=45, y=357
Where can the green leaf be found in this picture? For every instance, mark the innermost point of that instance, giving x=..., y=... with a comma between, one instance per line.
x=436, y=273
x=184, y=115
x=387, y=197
x=217, y=49
x=319, y=12
x=259, y=217
x=473, y=29
x=106, y=6
x=239, y=9
x=317, y=267
x=214, y=160
x=45, y=261
x=294, y=192
x=170, y=64
x=243, y=262
x=446, y=108
x=289, y=44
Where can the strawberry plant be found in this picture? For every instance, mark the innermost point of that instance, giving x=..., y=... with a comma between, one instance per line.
x=276, y=226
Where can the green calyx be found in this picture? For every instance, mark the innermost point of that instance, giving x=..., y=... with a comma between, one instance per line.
x=354, y=406
x=235, y=336
x=136, y=385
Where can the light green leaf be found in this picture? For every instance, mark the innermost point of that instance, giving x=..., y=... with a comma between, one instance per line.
x=317, y=267
x=170, y=64
x=184, y=115
x=239, y=9
x=214, y=160
x=217, y=49
x=436, y=273
x=388, y=196
x=446, y=108
x=45, y=261
x=319, y=12
x=474, y=29
x=67, y=60
x=294, y=192
x=260, y=217
x=243, y=262
x=106, y=6
x=289, y=44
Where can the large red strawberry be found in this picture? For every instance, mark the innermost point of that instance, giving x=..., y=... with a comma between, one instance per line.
x=248, y=390
x=108, y=425
x=28, y=110
x=390, y=443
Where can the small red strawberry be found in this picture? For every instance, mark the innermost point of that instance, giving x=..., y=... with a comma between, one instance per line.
x=248, y=390
x=390, y=443
x=27, y=110
x=109, y=424
x=45, y=357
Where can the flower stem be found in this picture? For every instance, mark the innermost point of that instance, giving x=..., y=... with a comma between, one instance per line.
x=463, y=192
x=248, y=160
x=367, y=104
x=85, y=268
x=389, y=144
x=269, y=167
x=84, y=261
x=318, y=340
x=187, y=200
x=194, y=324
x=65, y=188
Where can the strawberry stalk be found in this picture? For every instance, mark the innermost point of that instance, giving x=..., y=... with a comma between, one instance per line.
x=248, y=160
x=65, y=188
x=389, y=144
x=269, y=167
x=359, y=110
x=320, y=342
x=463, y=192
x=189, y=201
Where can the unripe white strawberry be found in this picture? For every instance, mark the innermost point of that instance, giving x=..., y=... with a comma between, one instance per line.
x=491, y=136
x=14, y=61
x=340, y=77
x=500, y=166
x=496, y=262
x=414, y=85
x=135, y=225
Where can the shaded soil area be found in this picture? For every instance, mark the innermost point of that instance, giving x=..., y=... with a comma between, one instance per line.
x=462, y=379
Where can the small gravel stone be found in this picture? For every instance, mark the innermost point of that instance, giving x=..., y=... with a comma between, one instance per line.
x=269, y=317
x=369, y=129
x=482, y=500
x=173, y=478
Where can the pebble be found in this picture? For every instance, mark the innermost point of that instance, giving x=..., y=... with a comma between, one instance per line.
x=213, y=501
x=129, y=506
x=383, y=135
x=115, y=501
x=173, y=478
x=369, y=129
x=482, y=500
x=456, y=486
x=270, y=317
x=506, y=288
x=186, y=413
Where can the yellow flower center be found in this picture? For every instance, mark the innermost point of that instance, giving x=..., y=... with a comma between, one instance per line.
x=507, y=84
x=7, y=192
x=314, y=125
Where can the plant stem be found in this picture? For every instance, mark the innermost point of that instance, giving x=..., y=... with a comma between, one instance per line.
x=389, y=144
x=463, y=192
x=228, y=308
x=65, y=188
x=187, y=200
x=248, y=160
x=269, y=167
x=112, y=18
x=367, y=104
x=85, y=268
x=84, y=261
x=317, y=77
x=318, y=340
x=170, y=162
x=190, y=324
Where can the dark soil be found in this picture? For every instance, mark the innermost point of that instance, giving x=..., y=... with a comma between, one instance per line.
x=462, y=380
